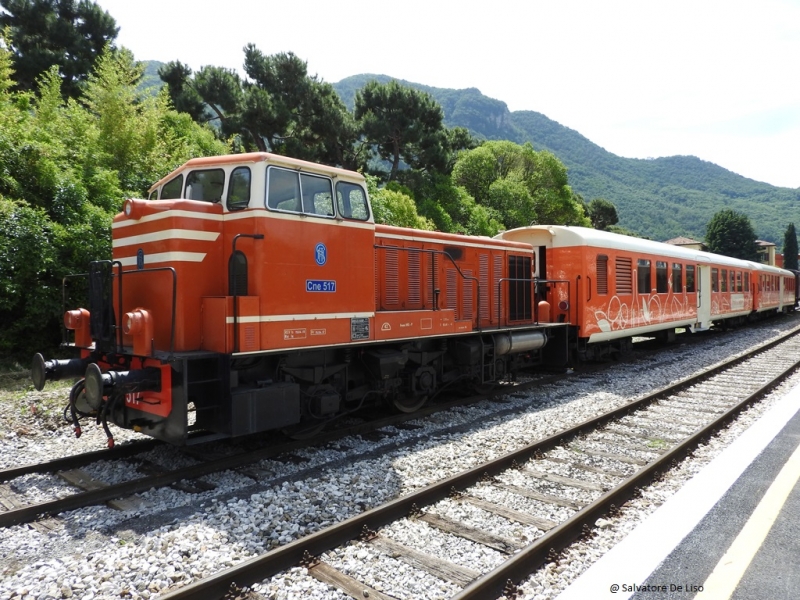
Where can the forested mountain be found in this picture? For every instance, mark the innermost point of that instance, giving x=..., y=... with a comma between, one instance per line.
x=658, y=198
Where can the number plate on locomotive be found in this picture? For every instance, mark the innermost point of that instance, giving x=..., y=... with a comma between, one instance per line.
x=319, y=285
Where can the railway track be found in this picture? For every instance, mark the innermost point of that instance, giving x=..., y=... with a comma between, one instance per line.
x=14, y=510
x=565, y=483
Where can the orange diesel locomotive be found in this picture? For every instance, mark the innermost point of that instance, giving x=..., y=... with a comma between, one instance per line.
x=255, y=292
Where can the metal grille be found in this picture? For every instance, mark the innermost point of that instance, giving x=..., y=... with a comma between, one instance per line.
x=452, y=290
x=483, y=275
x=467, y=304
x=497, y=275
x=602, y=274
x=392, y=279
x=624, y=275
x=414, y=281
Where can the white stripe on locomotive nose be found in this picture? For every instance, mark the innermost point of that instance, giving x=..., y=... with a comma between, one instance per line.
x=161, y=257
x=158, y=236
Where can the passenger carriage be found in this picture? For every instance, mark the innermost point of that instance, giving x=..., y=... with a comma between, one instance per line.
x=625, y=286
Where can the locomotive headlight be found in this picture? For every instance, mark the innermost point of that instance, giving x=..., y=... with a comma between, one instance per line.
x=563, y=305
x=128, y=208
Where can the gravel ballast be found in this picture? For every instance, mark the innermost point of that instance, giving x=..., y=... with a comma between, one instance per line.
x=175, y=538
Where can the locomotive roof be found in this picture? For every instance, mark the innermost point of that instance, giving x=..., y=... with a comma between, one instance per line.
x=559, y=236
x=256, y=157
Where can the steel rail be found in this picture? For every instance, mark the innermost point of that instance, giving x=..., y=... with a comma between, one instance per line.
x=30, y=513
x=280, y=559
x=76, y=461
x=491, y=585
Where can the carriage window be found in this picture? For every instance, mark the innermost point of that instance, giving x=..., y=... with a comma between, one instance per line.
x=239, y=189
x=733, y=281
x=662, y=286
x=643, y=271
x=317, y=195
x=714, y=280
x=351, y=201
x=205, y=185
x=724, y=287
x=747, y=282
x=738, y=281
x=677, y=278
x=690, y=278
x=602, y=274
x=172, y=189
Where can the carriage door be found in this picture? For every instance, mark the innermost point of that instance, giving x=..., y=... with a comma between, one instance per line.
x=703, y=298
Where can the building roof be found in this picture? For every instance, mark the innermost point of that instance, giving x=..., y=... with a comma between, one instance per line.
x=682, y=241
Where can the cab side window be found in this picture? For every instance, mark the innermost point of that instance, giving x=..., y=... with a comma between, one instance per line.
x=351, y=201
x=172, y=189
x=299, y=192
x=239, y=189
x=283, y=190
x=317, y=195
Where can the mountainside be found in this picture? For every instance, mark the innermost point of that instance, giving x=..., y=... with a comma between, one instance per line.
x=659, y=198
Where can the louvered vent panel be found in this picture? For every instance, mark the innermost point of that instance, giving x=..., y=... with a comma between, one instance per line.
x=483, y=267
x=432, y=260
x=497, y=291
x=452, y=291
x=467, y=302
x=378, y=253
x=624, y=275
x=392, y=279
x=414, y=283
x=602, y=274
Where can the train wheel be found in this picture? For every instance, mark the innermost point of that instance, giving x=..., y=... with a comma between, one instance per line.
x=409, y=404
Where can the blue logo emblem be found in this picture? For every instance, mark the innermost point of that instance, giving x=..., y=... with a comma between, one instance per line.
x=140, y=259
x=321, y=254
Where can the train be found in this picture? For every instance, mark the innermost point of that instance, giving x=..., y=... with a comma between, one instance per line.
x=255, y=292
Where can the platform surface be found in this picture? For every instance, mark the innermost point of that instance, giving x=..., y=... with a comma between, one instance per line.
x=733, y=531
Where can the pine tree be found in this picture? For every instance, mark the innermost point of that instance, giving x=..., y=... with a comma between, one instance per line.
x=790, y=248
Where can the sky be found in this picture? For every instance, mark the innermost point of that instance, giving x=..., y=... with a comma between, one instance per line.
x=717, y=79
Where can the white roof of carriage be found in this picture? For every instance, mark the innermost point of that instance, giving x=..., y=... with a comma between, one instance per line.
x=559, y=236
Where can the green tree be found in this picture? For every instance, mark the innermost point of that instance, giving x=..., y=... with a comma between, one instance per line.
x=402, y=124
x=730, y=233
x=68, y=33
x=602, y=213
x=66, y=168
x=519, y=185
x=278, y=108
x=790, y=248
x=394, y=207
